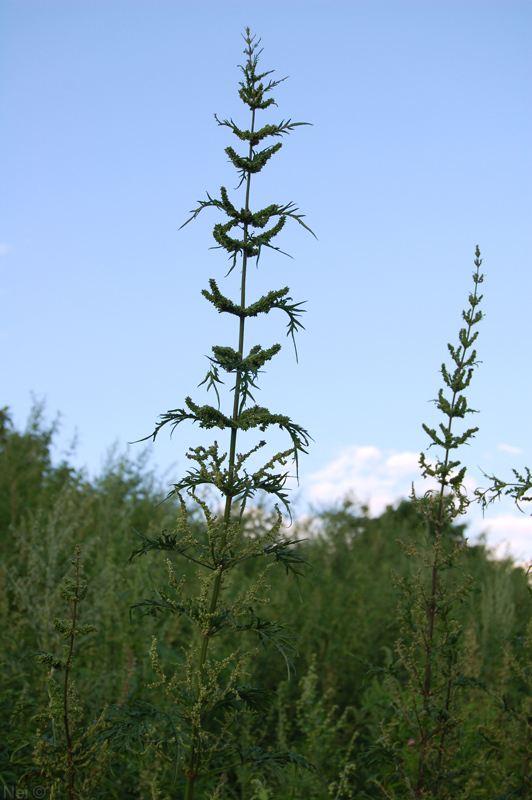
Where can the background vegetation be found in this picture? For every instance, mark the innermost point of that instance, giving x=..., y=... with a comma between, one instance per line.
x=338, y=710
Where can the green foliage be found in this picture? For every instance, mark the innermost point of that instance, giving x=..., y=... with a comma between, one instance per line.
x=26, y=469
x=344, y=612
x=36, y=552
x=520, y=490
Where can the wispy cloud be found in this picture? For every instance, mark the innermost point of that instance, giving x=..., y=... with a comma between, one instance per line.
x=508, y=533
x=375, y=477
x=508, y=448
x=5, y=248
x=379, y=478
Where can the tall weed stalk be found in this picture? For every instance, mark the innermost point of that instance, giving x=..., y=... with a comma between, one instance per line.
x=428, y=669
x=67, y=758
x=206, y=689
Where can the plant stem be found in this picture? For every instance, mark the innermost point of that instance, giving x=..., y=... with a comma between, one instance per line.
x=432, y=606
x=194, y=752
x=70, y=760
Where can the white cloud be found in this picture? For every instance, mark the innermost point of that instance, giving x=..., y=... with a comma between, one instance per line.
x=373, y=476
x=508, y=533
x=4, y=248
x=403, y=463
x=508, y=448
x=379, y=478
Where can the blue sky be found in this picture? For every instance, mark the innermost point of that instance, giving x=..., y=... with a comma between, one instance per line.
x=419, y=150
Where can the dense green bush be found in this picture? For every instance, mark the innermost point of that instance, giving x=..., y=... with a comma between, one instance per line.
x=344, y=610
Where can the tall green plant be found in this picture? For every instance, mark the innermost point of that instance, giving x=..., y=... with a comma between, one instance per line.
x=429, y=653
x=207, y=691
x=66, y=758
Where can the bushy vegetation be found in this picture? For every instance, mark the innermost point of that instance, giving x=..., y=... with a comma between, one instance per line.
x=339, y=709
x=200, y=647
